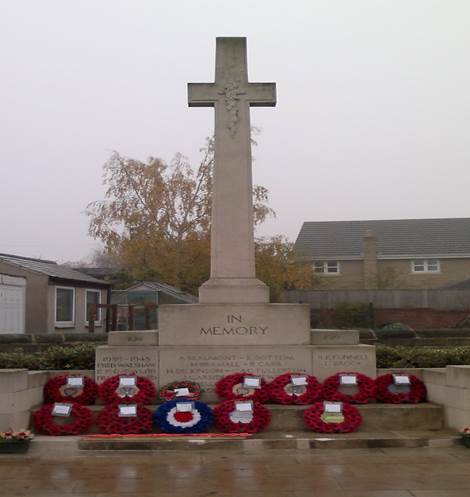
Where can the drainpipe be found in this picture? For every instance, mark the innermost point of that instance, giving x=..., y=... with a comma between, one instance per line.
x=369, y=248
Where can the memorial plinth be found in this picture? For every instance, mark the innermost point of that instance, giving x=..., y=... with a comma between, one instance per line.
x=234, y=324
x=205, y=362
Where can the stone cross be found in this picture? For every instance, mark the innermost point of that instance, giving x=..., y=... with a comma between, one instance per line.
x=233, y=277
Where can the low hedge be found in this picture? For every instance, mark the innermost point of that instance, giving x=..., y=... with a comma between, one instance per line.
x=82, y=356
x=421, y=357
x=78, y=356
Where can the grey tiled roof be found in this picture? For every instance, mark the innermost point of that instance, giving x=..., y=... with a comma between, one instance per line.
x=400, y=237
x=170, y=290
x=50, y=268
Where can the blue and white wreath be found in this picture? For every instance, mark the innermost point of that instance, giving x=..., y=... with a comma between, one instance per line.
x=183, y=416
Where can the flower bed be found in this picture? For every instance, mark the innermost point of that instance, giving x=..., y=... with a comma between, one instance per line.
x=15, y=442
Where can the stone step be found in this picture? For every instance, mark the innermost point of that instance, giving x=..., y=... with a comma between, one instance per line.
x=376, y=417
x=284, y=440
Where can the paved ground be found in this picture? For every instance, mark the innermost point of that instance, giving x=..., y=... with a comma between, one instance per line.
x=58, y=471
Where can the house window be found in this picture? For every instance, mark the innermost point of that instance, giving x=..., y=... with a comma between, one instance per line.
x=64, y=306
x=326, y=267
x=93, y=297
x=425, y=266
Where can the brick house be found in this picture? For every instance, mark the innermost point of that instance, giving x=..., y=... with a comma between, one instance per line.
x=387, y=254
x=40, y=296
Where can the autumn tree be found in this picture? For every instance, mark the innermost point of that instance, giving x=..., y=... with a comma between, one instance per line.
x=155, y=217
x=278, y=267
x=155, y=223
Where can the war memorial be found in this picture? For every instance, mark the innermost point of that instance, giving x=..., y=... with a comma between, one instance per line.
x=235, y=329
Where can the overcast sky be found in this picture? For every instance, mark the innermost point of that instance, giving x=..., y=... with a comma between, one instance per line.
x=372, y=121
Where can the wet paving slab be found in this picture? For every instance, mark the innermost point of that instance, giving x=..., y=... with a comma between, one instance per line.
x=60, y=470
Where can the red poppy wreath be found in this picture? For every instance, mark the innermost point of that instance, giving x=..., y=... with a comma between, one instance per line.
x=388, y=391
x=294, y=388
x=169, y=391
x=230, y=420
x=110, y=420
x=365, y=388
x=113, y=392
x=233, y=387
x=79, y=420
x=71, y=388
x=318, y=420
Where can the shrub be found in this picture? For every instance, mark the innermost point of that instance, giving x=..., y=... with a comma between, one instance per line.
x=421, y=357
x=78, y=356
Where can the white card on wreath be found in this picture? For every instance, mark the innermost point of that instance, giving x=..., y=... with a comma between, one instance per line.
x=401, y=379
x=299, y=381
x=333, y=407
x=244, y=406
x=251, y=382
x=75, y=381
x=127, y=381
x=127, y=410
x=181, y=392
x=184, y=406
x=241, y=416
x=348, y=379
x=61, y=409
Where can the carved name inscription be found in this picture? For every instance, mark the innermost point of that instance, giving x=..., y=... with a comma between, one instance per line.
x=207, y=368
x=342, y=360
x=328, y=362
x=114, y=362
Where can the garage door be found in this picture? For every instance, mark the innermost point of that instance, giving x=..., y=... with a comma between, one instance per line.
x=12, y=304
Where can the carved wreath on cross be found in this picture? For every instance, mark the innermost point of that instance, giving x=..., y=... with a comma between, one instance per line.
x=231, y=93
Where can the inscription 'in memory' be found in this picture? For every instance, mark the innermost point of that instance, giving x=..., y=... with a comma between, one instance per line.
x=234, y=320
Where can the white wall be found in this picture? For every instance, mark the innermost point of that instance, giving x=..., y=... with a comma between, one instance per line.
x=12, y=304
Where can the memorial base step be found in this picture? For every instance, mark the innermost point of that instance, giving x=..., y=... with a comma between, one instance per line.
x=376, y=417
x=280, y=441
